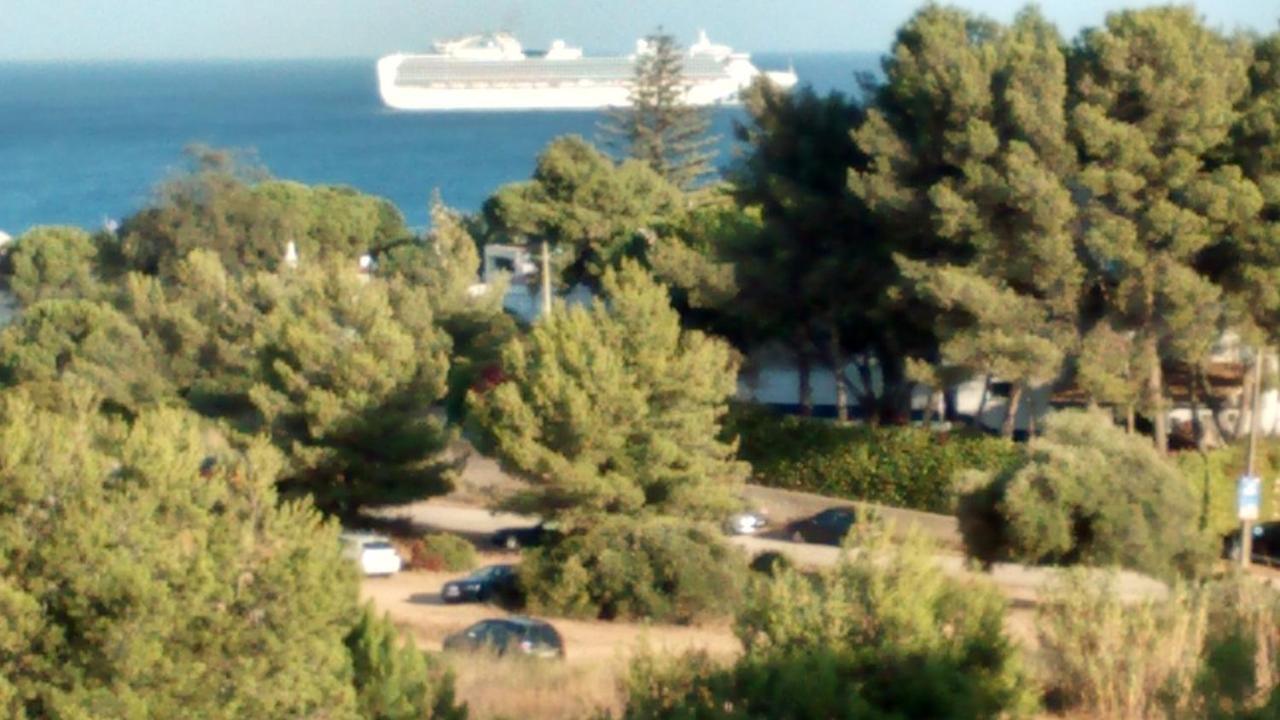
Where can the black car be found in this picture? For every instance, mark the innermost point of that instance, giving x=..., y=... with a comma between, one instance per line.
x=1265, y=548
x=522, y=537
x=829, y=526
x=494, y=582
x=513, y=635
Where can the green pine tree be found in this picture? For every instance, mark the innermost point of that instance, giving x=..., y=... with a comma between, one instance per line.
x=140, y=581
x=346, y=385
x=659, y=127
x=616, y=409
x=1007, y=282
x=393, y=679
x=1156, y=99
x=591, y=211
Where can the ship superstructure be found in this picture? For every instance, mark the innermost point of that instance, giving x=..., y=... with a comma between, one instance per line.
x=493, y=72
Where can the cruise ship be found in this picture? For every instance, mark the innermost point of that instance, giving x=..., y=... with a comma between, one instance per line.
x=493, y=72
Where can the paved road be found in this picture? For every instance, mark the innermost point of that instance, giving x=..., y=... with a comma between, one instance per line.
x=1019, y=583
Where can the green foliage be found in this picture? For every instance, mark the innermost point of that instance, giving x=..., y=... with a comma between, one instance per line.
x=59, y=347
x=793, y=273
x=1157, y=93
x=135, y=584
x=1087, y=492
x=442, y=551
x=347, y=385
x=659, y=569
x=393, y=679
x=897, y=466
x=53, y=263
x=446, y=264
x=881, y=635
x=615, y=409
x=592, y=211
x=235, y=211
x=1205, y=652
x=1213, y=475
x=993, y=175
x=660, y=128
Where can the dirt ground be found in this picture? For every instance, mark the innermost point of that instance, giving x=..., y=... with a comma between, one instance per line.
x=597, y=653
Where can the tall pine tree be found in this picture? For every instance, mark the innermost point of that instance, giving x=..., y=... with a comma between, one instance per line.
x=1156, y=99
x=660, y=127
x=1004, y=274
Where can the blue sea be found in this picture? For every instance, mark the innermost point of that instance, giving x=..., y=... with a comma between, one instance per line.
x=83, y=143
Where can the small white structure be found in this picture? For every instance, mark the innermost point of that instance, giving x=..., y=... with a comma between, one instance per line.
x=523, y=297
x=290, y=255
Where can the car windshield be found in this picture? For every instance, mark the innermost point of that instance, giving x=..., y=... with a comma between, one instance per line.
x=488, y=573
x=377, y=545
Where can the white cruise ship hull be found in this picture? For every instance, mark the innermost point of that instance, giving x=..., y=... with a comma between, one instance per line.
x=564, y=94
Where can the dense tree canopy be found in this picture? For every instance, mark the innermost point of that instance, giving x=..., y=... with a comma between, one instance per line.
x=53, y=262
x=592, y=211
x=346, y=386
x=247, y=218
x=616, y=409
x=59, y=347
x=1156, y=95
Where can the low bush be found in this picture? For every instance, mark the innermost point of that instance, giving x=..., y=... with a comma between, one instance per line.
x=1205, y=652
x=438, y=552
x=882, y=635
x=656, y=568
x=899, y=466
x=1087, y=492
x=394, y=680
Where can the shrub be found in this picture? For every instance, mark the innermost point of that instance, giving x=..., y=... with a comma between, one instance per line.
x=1208, y=652
x=1087, y=492
x=657, y=568
x=882, y=635
x=441, y=551
x=1213, y=475
x=393, y=679
x=898, y=466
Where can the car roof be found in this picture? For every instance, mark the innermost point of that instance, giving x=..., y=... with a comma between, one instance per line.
x=358, y=536
x=523, y=621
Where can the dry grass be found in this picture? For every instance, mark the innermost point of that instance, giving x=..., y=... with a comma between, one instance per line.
x=528, y=689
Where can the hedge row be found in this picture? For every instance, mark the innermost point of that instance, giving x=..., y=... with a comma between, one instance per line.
x=899, y=466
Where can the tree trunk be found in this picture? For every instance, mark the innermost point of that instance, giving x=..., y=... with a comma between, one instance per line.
x=1130, y=421
x=837, y=372
x=1246, y=392
x=930, y=408
x=1155, y=398
x=805, y=376
x=1011, y=411
x=982, y=403
x=950, y=411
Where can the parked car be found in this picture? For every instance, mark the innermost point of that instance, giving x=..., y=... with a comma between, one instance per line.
x=511, y=635
x=1265, y=549
x=746, y=523
x=374, y=554
x=829, y=526
x=522, y=537
x=487, y=583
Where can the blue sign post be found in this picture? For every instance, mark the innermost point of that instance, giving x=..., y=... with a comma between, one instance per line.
x=1248, y=497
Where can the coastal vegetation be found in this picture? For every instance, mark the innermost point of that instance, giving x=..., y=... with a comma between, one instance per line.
x=189, y=405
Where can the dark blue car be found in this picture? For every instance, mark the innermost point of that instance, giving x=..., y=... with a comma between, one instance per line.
x=495, y=582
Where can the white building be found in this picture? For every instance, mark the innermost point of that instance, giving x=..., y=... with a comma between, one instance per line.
x=523, y=297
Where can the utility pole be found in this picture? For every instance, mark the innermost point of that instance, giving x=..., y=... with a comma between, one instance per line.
x=546, y=281
x=1255, y=418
